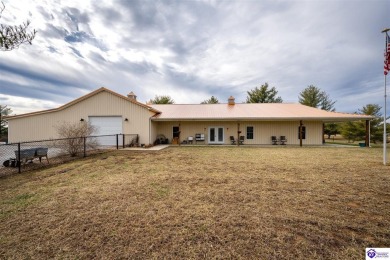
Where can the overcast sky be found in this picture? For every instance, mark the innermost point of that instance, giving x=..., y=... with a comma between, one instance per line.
x=192, y=50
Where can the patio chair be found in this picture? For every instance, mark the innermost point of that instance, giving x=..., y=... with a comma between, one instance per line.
x=274, y=140
x=232, y=140
x=190, y=139
x=241, y=140
x=283, y=140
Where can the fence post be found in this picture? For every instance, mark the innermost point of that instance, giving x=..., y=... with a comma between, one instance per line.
x=19, y=162
x=123, y=139
x=85, y=146
x=117, y=142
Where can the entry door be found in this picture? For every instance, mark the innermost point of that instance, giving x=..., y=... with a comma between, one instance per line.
x=216, y=135
x=175, y=131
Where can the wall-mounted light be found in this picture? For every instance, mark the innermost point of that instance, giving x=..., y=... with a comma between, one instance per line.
x=82, y=119
x=126, y=119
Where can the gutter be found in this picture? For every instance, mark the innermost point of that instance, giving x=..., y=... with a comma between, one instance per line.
x=325, y=119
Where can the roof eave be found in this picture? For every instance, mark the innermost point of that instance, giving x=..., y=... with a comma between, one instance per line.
x=322, y=119
x=81, y=99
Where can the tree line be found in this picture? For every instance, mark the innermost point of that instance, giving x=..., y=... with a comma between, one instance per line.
x=311, y=96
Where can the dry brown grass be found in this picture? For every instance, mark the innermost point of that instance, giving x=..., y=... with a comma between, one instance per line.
x=201, y=202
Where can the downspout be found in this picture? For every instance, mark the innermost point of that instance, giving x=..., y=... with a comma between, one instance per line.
x=150, y=130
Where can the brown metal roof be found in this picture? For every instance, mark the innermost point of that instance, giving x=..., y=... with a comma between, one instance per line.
x=263, y=111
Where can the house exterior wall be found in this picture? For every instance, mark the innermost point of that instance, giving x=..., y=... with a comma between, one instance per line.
x=43, y=126
x=263, y=130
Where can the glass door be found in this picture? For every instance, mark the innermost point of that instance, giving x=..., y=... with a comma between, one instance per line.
x=216, y=135
x=212, y=135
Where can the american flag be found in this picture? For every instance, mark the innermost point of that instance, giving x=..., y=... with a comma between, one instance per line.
x=387, y=55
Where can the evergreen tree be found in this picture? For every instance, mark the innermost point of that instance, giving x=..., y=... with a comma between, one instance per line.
x=331, y=129
x=313, y=97
x=263, y=95
x=357, y=130
x=162, y=100
x=212, y=100
x=376, y=124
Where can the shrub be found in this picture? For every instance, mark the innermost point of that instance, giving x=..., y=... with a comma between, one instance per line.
x=74, y=134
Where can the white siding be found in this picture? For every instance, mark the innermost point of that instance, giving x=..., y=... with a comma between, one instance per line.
x=262, y=130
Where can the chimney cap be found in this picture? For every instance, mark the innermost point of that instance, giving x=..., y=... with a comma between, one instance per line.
x=132, y=95
x=231, y=100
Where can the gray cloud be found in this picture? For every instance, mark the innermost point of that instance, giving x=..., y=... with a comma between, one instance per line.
x=77, y=37
x=76, y=16
x=96, y=57
x=44, y=13
x=138, y=68
x=75, y=51
x=143, y=13
x=52, y=49
x=109, y=15
x=52, y=31
x=195, y=49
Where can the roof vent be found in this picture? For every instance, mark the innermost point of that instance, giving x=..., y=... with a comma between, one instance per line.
x=131, y=95
x=231, y=100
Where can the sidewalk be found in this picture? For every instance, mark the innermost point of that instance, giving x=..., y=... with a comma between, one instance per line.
x=153, y=148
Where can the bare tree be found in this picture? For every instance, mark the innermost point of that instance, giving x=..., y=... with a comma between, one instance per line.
x=4, y=111
x=73, y=135
x=12, y=36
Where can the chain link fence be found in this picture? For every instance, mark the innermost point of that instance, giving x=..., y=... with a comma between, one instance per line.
x=26, y=156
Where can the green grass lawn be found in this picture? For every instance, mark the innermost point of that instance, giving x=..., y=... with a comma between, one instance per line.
x=200, y=202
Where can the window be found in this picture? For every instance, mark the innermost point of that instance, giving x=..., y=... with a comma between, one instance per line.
x=303, y=132
x=249, y=132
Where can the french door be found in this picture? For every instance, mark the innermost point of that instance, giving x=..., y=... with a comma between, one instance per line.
x=216, y=135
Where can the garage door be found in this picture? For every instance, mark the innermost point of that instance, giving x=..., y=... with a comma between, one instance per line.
x=107, y=125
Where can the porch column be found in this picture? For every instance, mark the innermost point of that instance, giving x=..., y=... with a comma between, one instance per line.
x=238, y=134
x=300, y=133
x=367, y=141
x=179, y=134
x=323, y=133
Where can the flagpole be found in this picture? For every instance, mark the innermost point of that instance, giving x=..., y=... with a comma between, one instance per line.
x=385, y=106
x=384, y=131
